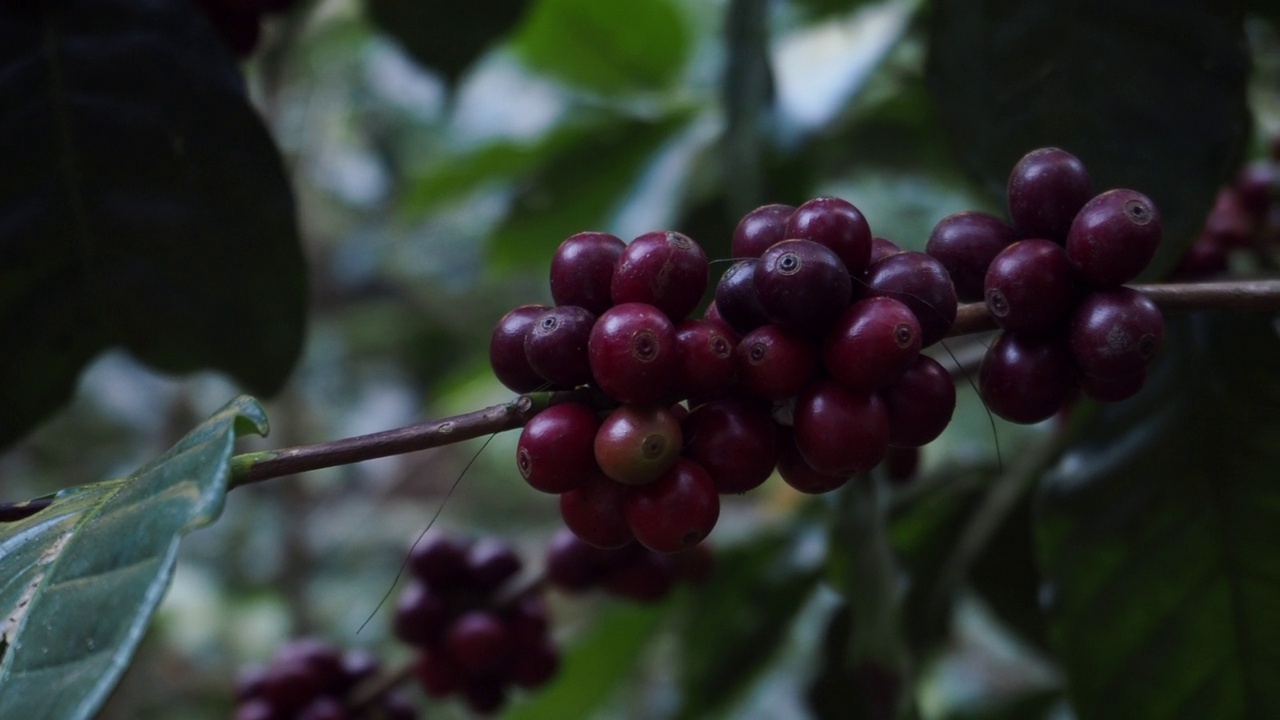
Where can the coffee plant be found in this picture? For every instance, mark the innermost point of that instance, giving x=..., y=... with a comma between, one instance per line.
x=809, y=358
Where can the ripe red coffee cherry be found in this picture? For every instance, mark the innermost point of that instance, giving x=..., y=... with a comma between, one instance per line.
x=637, y=443
x=798, y=473
x=839, y=432
x=737, y=300
x=594, y=512
x=921, y=283
x=556, y=345
x=555, y=452
x=1114, y=237
x=872, y=344
x=1026, y=380
x=665, y=269
x=1046, y=189
x=1114, y=333
x=676, y=511
x=802, y=285
x=506, y=349
x=760, y=229
x=774, y=363
x=733, y=439
x=480, y=642
x=582, y=270
x=966, y=243
x=1030, y=288
x=920, y=403
x=883, y=248
x=837, y=224
x=633, y=353
x=707, y=366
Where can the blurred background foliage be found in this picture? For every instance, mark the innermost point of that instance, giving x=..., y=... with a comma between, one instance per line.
x=439, y=152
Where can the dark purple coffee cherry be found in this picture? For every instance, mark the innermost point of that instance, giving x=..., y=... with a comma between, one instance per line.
x=1030, y=288
x=594, y=512
x=1026, y=380
x=1114, y=238
x=712, y=315
x=774, y=363
x=440, y=559
x=707, y=365
x=1206, y=258
x=506, y=349
x=582, y=270
x=1115, y=333
x=837, y=224
x=966, y=243
x=920, y=403
x=736, y=298
x=760, y=229
x=480, y=642
x=733, y=440
x=556, y=345
x=676, y=511
x=802, y=285
x=839, y=432
x=422, y=614
x=556, y=450
x=492, y=562
x=322, y=659
x=634, y=354
x=1046, y=189
x=798, y=473
x=664, y=269
x=883, y=248
x=921, y=283
x=638, y=443
x=872, y=344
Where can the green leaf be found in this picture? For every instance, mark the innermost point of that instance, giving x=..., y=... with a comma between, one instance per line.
x=1150, y=97
x=1034, y=705
x=446, y=36
x=641, y=45
x=1159, y=536
x=142, y=204
x=80, y=579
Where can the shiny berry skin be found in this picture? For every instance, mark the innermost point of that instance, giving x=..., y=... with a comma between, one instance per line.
x=1046, y=189
x=637, y=443
x=872, y=344
x=839, y=432
x=676, y=511
x=802, y=285
x=707, y=365
x=1114, y=237
x=1026, y=380
x=506, y=349
x=736, y=299
x=665, y=269
x=921, y=283
x=1029, y=287
x=774, y=363
x=733, y=439
x=556, y=345
x=966, y=243
x=883, y=248
x=555, y=452
x=480, y=641
x=594, y=512
x=1114, y=333
x=796, y=472
x=837, y=224
x=760, y=229
x=633, y=353
x=582, y=270
x=920, y=403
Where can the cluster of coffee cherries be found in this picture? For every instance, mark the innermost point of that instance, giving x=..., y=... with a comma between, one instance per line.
x=1245, y=219
x=239, y=22
x=1053, y=281
x=309, y=679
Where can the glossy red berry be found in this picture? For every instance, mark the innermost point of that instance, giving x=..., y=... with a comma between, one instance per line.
x=707, y=366
x=774, y=363
x=556, y=450
x=883, y=248
x=439, y=559
x=1114, y=237
x=921, y=283
x=796, y=472
x=633, y=353
x=966, y=243
x=594, y=512
x=479, y=640
x=1115, y=333
x=839, y=432
x=872, y=344
x=664, y=269
x=675, y=512
x=1030, y=288
x=736, y=299
x=760, y=229
x=582, y=270
x=556, y=345
x=733, y=439
x=1046, y=189
x=802, y=285
x=837, y=224
x=920, y=403
x=1026, y=380
x=506, y=349
x=637, y=443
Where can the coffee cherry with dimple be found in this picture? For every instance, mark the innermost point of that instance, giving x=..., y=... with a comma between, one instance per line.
x=1030, y=288
x=839, y=432
x=1115, y=333
x=556, y=450
x=760, y=229
x=664, y=269
x=966, y=243
x=556, y=345
x=1026, y=380
x=506, y=349
x=637, y=443
x=1114, y=237
x=1046, y=189
x=733, y=439
x=921, y=283
x=582, y=270
x=774, y=363
x=837, y=224
x=594, y=512
x=737, y=301
x=920, y=403
x=707, y=366
x=802, y=285
x=633, y=353
x=872, y=344
x=676, y=511
x=796, y=472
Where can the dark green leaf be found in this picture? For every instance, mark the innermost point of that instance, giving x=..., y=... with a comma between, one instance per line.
x=640, y=45
x=444, y=35
x=142, y=204
x=1005, y=575
x=1032, y=706
x=1151, y=96
x=80, y=579
x=1159, y=536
